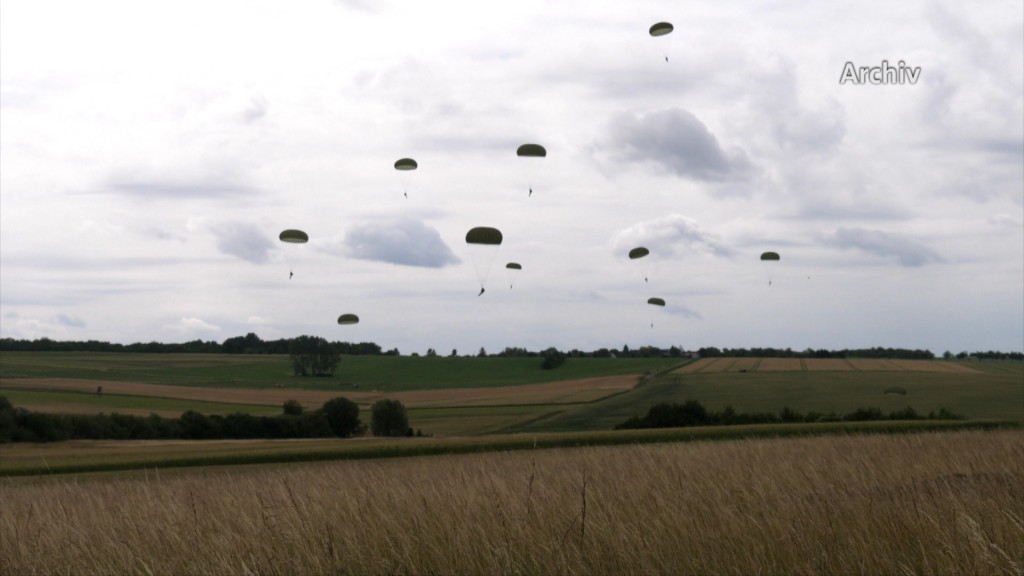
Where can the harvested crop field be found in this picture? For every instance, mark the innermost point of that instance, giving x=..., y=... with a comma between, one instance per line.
x=561, y=392
x=718, y=365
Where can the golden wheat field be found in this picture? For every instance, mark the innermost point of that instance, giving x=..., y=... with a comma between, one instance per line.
x=936, y=503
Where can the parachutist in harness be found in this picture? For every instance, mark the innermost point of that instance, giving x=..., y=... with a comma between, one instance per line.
x=481, y=291
x=290, y=274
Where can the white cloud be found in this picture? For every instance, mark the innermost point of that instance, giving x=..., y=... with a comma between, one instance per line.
x=404, y=242
x=678, y=142
x=907, y=251
x=668, y=237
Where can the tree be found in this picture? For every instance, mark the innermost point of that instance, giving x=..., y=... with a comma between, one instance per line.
x=313, y=356
x=553, y=358
x=389, y=419
x=343, y=417
x=292, y=408
x=482, y=353
x=6, y=420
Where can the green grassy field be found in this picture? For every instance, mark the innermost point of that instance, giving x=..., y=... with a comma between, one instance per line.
x=88, y=403
x=996, y=392
x=394, y=373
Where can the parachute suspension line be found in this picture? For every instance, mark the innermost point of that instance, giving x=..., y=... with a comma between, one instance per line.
x=484, y=237
x=532, y=151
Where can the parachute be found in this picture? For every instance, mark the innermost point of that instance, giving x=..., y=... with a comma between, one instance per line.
x=405, y=165
x=660, y=303
x=484, y=242
x=531, y=151
x=770, y=257
x=637, y=253
x=345, y=319
x=484, y=235
x=293, y=237
x=510, y=268
x=663, y=29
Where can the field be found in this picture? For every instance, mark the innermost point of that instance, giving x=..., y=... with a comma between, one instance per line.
x=927, y=503
x=522, y=472
x=473, y=396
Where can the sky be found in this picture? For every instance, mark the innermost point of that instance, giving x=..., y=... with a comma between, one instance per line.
x=151, y=153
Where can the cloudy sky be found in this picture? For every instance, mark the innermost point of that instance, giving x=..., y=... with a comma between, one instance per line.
x=151, y=153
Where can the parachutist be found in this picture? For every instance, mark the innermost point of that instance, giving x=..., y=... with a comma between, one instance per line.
x=406, y=194
x=530, y=194
x=481, y=291
x=290, y=274
x=666, y=58
x=645, y=278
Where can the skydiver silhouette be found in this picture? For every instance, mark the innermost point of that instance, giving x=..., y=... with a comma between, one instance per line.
x=481, y=291
x=666, y=58
x=290, y=274
x=530, y=194
x=645, y=278
x=406, y=194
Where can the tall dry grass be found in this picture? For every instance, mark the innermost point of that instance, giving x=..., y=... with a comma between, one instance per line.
x=939, y=503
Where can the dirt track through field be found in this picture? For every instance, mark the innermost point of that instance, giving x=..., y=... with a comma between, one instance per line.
x=562, y=392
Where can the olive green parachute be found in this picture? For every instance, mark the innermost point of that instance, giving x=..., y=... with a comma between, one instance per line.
x=294, y=237
x=531, y=151
x=406, y=164
x=661, y=28
x=348, y=319
x=770, y=256
x=484, y=243
x=514, y=266
x=655, y=301
x=638, y=252
x=484, y=235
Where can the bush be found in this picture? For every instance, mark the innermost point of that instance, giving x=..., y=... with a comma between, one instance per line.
x=292, y=408
x=343, y=417
x=389, y=419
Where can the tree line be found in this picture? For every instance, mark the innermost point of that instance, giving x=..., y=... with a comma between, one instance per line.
x=253, y=344
x=338, y=417
x=692, y=413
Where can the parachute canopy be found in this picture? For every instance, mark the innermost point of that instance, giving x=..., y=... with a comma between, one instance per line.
x=294, y=237
x=484, y=235
x=655, y=301
x=638, y=252
x=531, y=151
x=661, y=28
x=406, y=164
x=770, y=256
x=348, y=319
x=514, y=266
